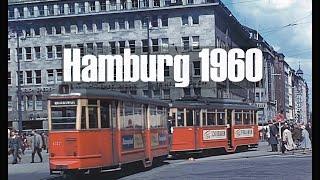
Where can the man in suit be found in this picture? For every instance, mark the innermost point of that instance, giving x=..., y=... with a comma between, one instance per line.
x=36, y=145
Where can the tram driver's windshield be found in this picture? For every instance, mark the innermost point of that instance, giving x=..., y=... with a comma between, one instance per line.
x=63, y=118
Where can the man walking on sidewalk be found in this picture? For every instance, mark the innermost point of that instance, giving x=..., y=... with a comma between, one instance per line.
x=36, y=145
x=274, y=137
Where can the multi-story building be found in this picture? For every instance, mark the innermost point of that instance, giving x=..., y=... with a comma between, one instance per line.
x=106, y=27
x=300, y=97
x=280, y=83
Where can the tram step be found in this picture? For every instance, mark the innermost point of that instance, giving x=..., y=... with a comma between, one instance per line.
x=109, y=170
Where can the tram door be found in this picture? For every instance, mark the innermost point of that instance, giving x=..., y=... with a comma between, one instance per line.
x=229, y=128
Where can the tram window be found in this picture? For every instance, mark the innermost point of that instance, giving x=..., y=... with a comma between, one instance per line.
x=204, y=119
x=123, y=125
x=93, y=117
x=161, y=117
x=114, y=114
x=237, y=117
x=211, y=118
x=174, y=119
x=138, y=116
x=197, y=117
x=104, y=114
x=63, y=118
x=153, y=117
x=128, y=115
x=221, y=118
x=180, y=117
x=254, y=117
x=83, y=117
x=189, y=114
x=246, y=119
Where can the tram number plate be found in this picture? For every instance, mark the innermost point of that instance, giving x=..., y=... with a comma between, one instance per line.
x=241, y=133
x=214, y=134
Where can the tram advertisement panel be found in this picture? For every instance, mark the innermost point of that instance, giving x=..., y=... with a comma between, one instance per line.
x=127, y=142
x=242, y=133
x=154, y=139
x=138, y=142
x=214, y=134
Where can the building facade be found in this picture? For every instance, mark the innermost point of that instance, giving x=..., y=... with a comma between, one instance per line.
x=301, y=98
x=45, y=28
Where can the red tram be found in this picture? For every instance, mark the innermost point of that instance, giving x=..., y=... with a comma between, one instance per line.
x=207, y=123
x=99, y=130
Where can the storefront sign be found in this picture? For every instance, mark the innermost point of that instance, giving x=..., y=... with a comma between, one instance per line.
x=214, y=134
x=63, y=102
x=241, y=133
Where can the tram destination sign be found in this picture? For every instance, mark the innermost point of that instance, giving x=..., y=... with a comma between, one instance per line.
x=214, y=134
x=243, y=133
x=63, y=102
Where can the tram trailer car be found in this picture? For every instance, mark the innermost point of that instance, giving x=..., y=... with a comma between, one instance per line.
x=207, y=123
x=99, y=130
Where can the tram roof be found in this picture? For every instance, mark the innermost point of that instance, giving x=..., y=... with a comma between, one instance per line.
x=107, y=94
x=211, y=103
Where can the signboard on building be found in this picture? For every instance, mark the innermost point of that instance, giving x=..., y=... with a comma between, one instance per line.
x=243, y=133
x=214, y=134
x=63, y=102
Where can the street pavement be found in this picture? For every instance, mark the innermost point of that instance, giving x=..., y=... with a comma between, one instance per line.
x=254, y=164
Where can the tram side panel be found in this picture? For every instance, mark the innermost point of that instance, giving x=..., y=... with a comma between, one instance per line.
x=183, y=139
x=244, y=135
x=212, y=137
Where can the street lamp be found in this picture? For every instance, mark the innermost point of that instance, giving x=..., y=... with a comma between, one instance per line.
x=276, y=103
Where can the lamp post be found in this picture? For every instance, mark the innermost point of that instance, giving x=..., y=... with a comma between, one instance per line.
x=276, y=103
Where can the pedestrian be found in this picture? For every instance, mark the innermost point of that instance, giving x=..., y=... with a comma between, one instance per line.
x=305, y=143
x=296, y=134
x=23, y=142
x=273, y=140
x=309, y=129
x=170, y=129
x=287, y=141
x=14, y=146
x=36, y=145
x=45, y=141
x=268, y=131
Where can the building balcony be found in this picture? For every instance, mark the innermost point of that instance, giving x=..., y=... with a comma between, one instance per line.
x=61, y=10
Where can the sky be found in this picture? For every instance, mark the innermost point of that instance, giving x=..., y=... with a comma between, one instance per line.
x=285, y=25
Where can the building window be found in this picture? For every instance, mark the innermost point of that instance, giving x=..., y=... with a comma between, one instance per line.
x=11, y=13
x=80, y=46
x=99, y=48
x=28, y=32
x=164, y=20
x=49, y=52
x=37, y=52
x=166, y=70
x=156, y=3
x=167, y=2
x=186, y=91
x=113, y=47
x=89, y=27
x=122, y=24
x=61, y=9
x=103, y=5
x=38, y=104
x=184, y=19
x=166, y=93
x=122, y=46
x=90, y=48
x=164, y=44
x=185, y=43
x=58, y=29
x=133, y=92
x=99, y=25
x=21, y=12
x=112, y=25
x=190, y=1
x=9, y=55
x=59, y=51
x=31, y=11
x=36, y=31
x=81, y=8
x=132, y=46
x=29, y=77
x=154, y=21
x=28, y=53
x=50, y=10
x=196, y=68
x=9, y=103
x=131, y=23
x=145, y=45
x=19, y=54
x=156, y=92
x=80, y=28
x=197, y=91
x=49, y=30
x=38, y=76
x=21, y=77
x=195, y=43
x=71, y=8
x=41, y=10
x=50, y=76
x=146, y=92
x=29, y=103
x=195, y=19
x=59, y=75
x=9, y=78
x=135, y=3
x=92, y=6
x=155, y=45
